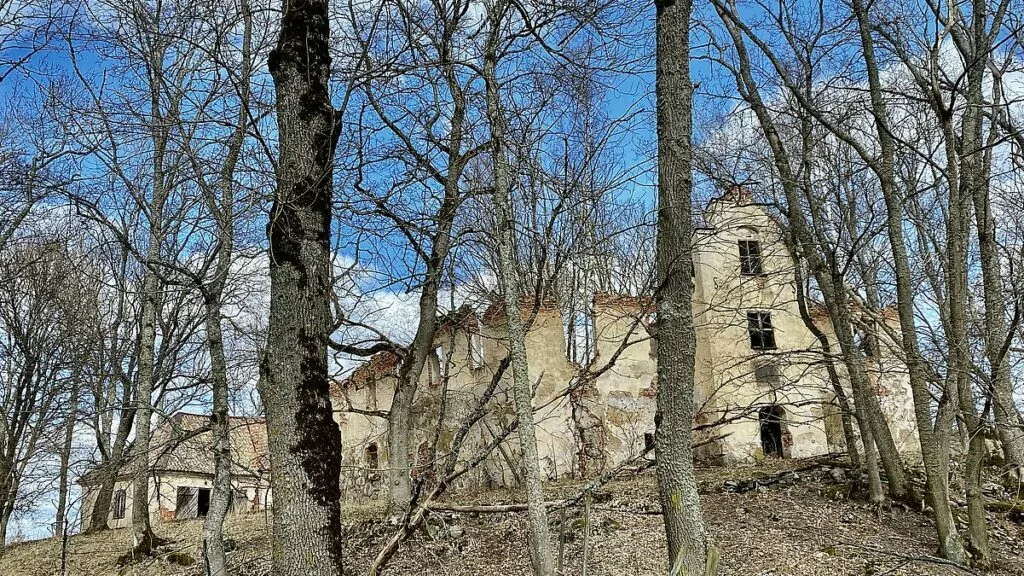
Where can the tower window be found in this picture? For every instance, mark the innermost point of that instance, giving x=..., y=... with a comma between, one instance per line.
x=762, y=333
x=476, y=350
x=750, y=258
x=433, y=367
x=768, y=374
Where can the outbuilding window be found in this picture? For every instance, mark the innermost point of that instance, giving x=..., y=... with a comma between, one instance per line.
x=192, y=502
x=119, y=504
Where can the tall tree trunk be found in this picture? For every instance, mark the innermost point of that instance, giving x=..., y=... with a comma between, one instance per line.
x=847, y=413
x=159, y=134
x=399, y=428
x=142, y=532
x=1008, y=422
x=541, y=556
x=399, y=480
x=109, y=470
x=104, y=495
x=304, y=441
x=875, y=494
x=932, y=439
x=965, y=183
x=690, y=551
x=222, y=494
x=1009, y=426
x=60, y=518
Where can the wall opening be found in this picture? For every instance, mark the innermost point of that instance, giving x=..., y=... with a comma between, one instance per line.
x=771, y=418
x=372, y=457
x=203, y=505
x=119, y=504
x=192, y=502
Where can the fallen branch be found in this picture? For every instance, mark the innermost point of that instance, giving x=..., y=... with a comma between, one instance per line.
x=910, y=558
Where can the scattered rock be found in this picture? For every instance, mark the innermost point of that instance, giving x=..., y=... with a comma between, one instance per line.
x=838, y=475
x=992, y=489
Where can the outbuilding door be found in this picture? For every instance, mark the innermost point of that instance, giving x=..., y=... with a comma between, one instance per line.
x=192, y=502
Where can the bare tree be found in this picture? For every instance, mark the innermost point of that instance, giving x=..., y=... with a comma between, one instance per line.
x=540, y=546
x=305, y=443
x=410, y=53
x=42, y=298
x=689, y=547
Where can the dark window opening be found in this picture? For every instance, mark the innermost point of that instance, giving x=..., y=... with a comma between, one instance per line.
x=119, y=504
x=476, y=350
x=750, y=258
x=770, y=418
x=762, y=333
x=648, y=441
x=203, y=505
x=192, y=502
x=434, y=368
x=372, y=457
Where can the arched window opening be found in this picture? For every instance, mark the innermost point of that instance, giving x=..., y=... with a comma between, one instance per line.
x=771, y=419
x=372, y=457
x=119, y=504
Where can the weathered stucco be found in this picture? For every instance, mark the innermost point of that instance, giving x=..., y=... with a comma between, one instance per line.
x=608, y=417
x=163, y=491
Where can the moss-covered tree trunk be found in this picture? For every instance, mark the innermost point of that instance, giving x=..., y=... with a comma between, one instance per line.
x=304, y=440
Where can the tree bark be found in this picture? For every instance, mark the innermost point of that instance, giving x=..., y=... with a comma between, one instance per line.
x=304, y=440
x=142, y=532
x=108, y=470
x=222, y=493
x=1009, y=426
x=104, y=495
x=451, y=146
x=1008, y=422
x=541, y=556
x=690, y=551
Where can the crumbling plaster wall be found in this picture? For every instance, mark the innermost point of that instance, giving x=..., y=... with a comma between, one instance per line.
x=610, y=418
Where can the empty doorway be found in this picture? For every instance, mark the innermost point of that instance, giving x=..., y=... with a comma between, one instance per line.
x=192, y=502
x=771, y=418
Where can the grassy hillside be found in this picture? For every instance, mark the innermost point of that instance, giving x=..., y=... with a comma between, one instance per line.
x=799, y=524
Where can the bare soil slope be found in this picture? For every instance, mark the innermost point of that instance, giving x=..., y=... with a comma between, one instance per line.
x=801, y=525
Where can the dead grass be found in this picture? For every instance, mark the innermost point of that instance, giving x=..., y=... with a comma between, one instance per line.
x=783, y=531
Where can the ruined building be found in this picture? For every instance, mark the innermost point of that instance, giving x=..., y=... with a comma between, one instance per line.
x=762, y=389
